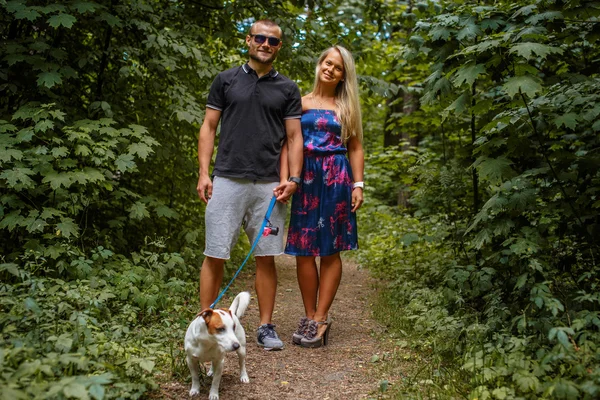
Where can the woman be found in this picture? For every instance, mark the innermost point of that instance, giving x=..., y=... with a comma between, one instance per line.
x=323, y=219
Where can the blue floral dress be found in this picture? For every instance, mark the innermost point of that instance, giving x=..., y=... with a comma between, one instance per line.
x=322, y=222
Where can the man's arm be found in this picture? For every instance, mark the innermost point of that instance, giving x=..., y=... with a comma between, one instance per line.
x=294, y=152
x=206, y=144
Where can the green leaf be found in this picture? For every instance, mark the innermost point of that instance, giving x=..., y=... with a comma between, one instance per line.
x=569, y=120
x=11, y=268
x=32, y=305
x=470, y=31
x=84, y=6
x=526, y=84
x=125, y=162
x=97, y=392
x=439, y=32
x=28, y=13
x=49, y=79
x=76, y=390
x=12, y=220
x=147, y=365
x=10, y=154
x=521, y=281
x=59, y=152
x=82, y=150
x=58, y=179
x=16, y=394
x=460, y=105
x=43, y=125
x=141, y=149
x=18, y=177
x=64, y=343
x=501, y=393
x=67, y=228
x=409, y=238
x=493, y=169
x=528, y=49
x=6, y=127
x=66, y=20
x=138, y=210
x=24, y=135
x=468, y=74
x=164, y=211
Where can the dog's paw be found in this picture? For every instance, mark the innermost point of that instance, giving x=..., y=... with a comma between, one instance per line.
x=244, y=378
x=213, y=396
x=210, y=372
x=194, y=392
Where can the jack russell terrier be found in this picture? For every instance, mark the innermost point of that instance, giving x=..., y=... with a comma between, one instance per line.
x=212, y=334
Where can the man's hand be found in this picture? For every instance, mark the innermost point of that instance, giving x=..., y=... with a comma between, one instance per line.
x=204, y=188
x=284, y=191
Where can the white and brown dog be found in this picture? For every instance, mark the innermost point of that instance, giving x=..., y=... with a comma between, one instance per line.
x=210, y=336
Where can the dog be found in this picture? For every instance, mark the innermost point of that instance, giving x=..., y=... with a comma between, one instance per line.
x=211, y=335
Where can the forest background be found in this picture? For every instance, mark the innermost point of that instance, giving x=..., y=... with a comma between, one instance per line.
x=481, y=121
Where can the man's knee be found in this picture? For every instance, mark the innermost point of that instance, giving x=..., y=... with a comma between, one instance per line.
x=267, y=262
x=212, y=263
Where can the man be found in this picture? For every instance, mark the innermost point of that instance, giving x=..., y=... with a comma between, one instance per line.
x=259, y=109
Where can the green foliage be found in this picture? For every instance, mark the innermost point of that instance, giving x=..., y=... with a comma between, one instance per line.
x=94, y=336
x=100, y=108
x=514, y=173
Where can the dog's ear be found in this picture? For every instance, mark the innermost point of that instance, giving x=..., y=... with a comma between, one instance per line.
x=206, y=314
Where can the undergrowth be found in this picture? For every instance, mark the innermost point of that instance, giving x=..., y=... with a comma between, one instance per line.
x=462, y=321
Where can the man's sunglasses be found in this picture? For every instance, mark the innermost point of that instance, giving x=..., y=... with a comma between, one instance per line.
x=260, y=39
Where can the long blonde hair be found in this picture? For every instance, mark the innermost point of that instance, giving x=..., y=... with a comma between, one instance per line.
x=346, y=95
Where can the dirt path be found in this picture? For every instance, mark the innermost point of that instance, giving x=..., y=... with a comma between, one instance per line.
x=341, y=370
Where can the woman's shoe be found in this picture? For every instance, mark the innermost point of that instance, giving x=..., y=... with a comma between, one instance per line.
x=300, y=331
x=317, y=334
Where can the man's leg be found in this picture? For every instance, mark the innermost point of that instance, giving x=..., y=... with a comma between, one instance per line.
x=266, y=287
x=211, y=277
x=266, y=290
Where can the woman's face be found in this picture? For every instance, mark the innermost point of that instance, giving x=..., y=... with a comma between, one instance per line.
x=332, y=68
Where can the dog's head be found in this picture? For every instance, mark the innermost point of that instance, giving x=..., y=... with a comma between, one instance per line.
x=220, y=326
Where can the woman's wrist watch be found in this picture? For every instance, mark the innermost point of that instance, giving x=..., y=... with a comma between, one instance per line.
x=358, y=184
x=294, y=179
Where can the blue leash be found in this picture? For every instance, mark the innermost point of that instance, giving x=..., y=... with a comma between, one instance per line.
x=260, y=234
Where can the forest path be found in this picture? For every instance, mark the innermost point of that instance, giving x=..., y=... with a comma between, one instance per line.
x=341, y=370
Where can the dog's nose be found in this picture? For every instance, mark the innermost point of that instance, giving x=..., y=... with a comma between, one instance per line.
x=236, y=346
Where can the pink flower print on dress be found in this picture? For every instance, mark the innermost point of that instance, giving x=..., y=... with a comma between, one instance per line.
x=334, y=174
x=309, y=202
x=321, y=124
x=309, y=177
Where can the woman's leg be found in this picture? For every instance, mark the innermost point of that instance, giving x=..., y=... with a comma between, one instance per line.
x=308, y=281
x=331, y=275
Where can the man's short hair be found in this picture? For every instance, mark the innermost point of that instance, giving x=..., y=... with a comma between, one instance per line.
x=268, y=23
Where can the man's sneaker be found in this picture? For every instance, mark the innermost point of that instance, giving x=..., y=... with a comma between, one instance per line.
x=267, y=338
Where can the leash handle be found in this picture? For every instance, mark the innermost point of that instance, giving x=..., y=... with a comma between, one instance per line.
x=258, y=236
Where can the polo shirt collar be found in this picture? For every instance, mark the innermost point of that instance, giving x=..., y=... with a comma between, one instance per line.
x=272, y=73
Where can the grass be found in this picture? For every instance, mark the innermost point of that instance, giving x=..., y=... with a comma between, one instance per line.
x=408, y=368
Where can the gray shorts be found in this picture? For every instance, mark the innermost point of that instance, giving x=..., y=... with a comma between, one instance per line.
x=240, y=203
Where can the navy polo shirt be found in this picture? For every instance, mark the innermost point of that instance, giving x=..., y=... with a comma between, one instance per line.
x=253, y=114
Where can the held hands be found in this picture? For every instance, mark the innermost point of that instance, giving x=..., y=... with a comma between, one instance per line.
x=357, y=198
x=284, y=191
x=204, y=188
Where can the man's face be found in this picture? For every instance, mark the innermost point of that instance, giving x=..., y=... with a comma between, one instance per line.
x=263, y=53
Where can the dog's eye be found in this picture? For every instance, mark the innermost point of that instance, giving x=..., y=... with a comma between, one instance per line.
x=221, y=330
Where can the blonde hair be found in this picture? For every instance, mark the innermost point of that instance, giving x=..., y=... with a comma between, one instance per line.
x=346, y=95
